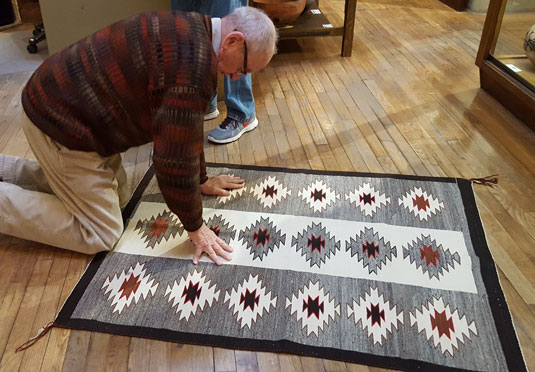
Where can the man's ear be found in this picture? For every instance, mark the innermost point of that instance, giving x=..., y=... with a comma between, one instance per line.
x=232, y=39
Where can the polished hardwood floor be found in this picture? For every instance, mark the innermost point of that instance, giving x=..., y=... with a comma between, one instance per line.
x=408, y=101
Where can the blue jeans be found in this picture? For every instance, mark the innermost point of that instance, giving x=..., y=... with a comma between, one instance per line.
x=238, y=93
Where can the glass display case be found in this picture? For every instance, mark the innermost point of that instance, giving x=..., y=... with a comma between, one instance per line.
x=506, y=56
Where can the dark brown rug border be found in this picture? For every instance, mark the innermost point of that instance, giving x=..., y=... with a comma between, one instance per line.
x=498, y=304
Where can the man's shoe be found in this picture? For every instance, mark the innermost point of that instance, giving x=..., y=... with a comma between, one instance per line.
x=230, y=130
x=211, y=115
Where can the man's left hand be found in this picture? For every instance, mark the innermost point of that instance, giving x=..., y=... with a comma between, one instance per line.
x=219, y=185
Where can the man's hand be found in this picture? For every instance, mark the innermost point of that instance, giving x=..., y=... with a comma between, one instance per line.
x=218, y=185
x=205, y=240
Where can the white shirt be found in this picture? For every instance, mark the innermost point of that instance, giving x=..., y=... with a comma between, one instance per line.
x=216, y=35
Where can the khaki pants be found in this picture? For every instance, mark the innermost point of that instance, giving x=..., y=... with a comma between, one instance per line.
x=68, y=199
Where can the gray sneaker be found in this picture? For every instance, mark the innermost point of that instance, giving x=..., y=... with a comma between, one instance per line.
x=230, y=130
x=211, y=115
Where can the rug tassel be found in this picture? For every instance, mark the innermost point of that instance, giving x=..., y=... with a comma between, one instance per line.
x=487, y=181
x=43, y=331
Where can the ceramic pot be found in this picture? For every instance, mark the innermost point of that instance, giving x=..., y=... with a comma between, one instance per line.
x=281, y=12
x=529, y=45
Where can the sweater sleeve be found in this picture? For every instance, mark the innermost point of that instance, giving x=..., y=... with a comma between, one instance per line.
x=178, y=151
x=203, y=175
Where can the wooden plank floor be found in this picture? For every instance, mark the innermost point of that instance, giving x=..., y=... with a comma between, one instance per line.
x=408, y=101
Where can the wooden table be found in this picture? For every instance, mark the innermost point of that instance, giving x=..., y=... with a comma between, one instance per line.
x=314, y=23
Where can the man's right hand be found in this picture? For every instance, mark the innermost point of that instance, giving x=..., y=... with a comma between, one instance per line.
x=205, y=240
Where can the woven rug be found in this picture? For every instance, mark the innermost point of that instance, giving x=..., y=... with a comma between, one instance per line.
x=387, y=270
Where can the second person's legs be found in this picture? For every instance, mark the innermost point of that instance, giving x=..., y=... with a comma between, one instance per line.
x=238, y=93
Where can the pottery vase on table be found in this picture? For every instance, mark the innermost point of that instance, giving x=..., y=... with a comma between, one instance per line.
x=281, y=12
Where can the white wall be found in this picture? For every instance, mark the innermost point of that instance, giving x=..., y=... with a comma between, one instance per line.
x=67, y=21
x=480, y=6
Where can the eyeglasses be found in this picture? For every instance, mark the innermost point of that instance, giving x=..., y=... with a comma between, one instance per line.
x=244, y=71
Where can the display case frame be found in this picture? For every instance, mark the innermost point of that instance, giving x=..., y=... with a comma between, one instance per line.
x=506, y=87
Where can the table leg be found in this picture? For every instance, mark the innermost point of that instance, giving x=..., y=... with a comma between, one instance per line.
x=349, y=27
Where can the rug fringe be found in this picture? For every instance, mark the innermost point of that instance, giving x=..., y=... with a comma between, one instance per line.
x=43, y=331
x=491, y=180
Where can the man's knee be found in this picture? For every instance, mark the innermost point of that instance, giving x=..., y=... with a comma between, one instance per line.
x=104, y=238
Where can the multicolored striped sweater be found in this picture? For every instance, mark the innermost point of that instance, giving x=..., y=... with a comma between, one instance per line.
x=142, y=79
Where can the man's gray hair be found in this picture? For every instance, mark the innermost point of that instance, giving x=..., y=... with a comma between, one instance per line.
x=259, y=31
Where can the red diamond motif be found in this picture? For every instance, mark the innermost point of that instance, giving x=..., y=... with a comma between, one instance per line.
x=159, y=227
x=420, y=202
x=431, y=256
x=130, y=286
x=441, y=321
